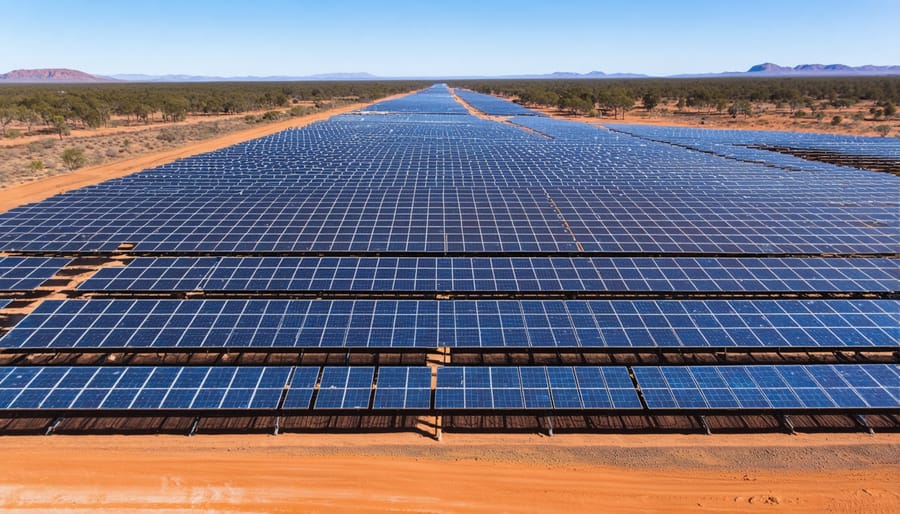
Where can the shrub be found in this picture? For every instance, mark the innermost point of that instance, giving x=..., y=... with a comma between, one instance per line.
x=74, y=158
x=111, y=152
x=168, y=135
x=883, y=130
x=36, y=166
x=13, y=133
x=800, y=114
x=271, y=115
x=835, y=121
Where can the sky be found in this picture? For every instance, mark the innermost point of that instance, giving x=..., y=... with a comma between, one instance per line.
x=447, y=38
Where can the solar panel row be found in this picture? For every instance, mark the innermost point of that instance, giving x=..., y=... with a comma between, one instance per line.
x=770, y=387
x=518, y=274
x=558, y=388
x=734, y=143
x=27, y=273
x=492, y=105
x=194, y=388
x=436, y=100
x=162, y=324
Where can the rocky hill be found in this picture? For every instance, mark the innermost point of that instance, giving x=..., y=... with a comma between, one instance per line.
x=51, y=75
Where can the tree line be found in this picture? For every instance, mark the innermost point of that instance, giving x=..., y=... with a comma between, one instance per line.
x=733, y=94
x=62, y=106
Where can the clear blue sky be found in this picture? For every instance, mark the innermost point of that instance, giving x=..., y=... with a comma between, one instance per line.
x=456, y=37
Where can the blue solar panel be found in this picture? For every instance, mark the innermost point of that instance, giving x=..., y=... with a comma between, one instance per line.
x=851, y=386
x=515, y=388
x=27, y=273
x=516, y=274
x=141, y=388
x=300, y=391
x=345, y=388
x=159, y=324
x=403, y=388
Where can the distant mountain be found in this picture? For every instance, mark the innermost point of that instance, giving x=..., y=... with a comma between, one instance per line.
x=822, y=69
x=52, y=75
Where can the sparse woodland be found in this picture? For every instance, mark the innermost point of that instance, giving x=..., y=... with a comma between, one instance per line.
x=739, y=96
x=58, y=108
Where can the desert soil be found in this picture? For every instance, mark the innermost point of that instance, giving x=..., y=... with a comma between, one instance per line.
x=464, y=473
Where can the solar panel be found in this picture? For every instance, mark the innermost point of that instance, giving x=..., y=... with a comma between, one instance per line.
x=513, y=274
x=300, y=391
x=160, y=324
x=518, y=388
x=27, y=273
x=4, y=302
x=140, y=388
x=850, y=386
x=403, y=388
x=345, y=388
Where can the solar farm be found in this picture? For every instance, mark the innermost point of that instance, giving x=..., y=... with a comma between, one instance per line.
x=454, y=261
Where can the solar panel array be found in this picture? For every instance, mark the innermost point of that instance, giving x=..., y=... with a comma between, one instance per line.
x=770, y=387
x=491, y=274
x=141, y=388
x=161, y=324
x=734, y=142
x=413, y=182
x=458, y=388
x=407, y=221
x=27, y=273
x=514, y=388
x=494, y=106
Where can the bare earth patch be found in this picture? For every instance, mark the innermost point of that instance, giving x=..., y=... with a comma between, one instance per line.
x=463, y=473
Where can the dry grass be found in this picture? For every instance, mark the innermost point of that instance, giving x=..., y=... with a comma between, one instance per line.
x=855, y=120
x=43, y=158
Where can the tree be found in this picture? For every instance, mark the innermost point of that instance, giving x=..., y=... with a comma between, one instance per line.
x=8, y=114
x=29, y=118
x=60, y=125
x=175, y=108
x=650, y=100
x=740, y=107
x=74, y=158
x=883, y=130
